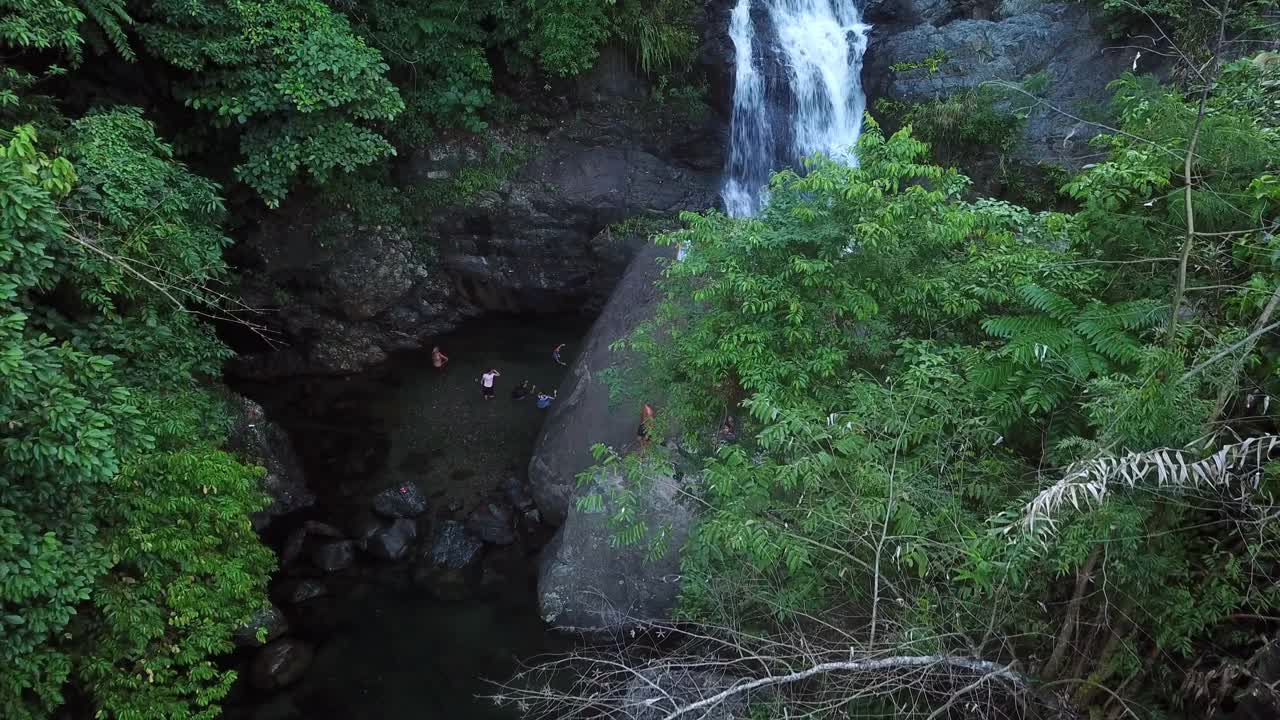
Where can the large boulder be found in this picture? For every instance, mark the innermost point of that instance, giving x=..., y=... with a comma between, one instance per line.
x=260, y=441
x=583, y=415
x=1009, y=40
x=586, y=582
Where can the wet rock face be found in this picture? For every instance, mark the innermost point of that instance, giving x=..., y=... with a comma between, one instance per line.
x=258, y=440
x=345, y=295
x=583, y=415
x=586, y=583
x=985, y=40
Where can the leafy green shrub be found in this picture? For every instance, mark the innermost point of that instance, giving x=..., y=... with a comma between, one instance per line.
x=126, y=554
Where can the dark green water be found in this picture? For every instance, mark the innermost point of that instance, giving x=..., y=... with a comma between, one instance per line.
x=385, y=645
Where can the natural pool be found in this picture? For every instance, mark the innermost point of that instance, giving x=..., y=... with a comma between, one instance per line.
x=385, y=645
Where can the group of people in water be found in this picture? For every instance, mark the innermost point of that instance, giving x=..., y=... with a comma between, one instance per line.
x=489, y=380
x=488, y=390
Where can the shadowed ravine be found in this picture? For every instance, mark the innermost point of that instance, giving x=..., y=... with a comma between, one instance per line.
x=395, y=639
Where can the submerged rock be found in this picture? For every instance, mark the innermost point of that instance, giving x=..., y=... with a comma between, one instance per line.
x=584, y=414
x=280, y=664
x=362, y=526
x=320, y=529
x=586, y=582
x=300, y=591
x=492, y=523
x=401, y=501
x=392, y=543
x=293, y=545
x=269, y=619
x=334, y=556
x=454, y=548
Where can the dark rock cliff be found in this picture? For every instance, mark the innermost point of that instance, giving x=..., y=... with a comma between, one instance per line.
x=599, y=151
x=1005, y=40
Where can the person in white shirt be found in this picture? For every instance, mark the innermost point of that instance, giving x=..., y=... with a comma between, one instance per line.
x=486, y=383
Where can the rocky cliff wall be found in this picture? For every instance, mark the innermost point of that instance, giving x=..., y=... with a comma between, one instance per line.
x=1003, y=40
x=343, y=293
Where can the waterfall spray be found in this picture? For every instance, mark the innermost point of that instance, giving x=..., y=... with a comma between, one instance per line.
x=820, y=44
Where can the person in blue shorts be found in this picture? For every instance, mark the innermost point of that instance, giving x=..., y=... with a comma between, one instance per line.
x=545, y=400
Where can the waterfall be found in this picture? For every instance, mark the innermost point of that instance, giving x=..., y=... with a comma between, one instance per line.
x=816, y=108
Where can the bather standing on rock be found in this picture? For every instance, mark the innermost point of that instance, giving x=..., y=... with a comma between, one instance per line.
x=645, y=431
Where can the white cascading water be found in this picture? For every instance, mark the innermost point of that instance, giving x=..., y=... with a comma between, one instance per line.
x=820, y=43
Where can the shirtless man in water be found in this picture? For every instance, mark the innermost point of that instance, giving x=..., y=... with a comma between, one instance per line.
x=438, y=359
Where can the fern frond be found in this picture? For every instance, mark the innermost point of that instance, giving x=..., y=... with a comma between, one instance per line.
x=1011, y=326
x=1117, y=345
x=1048, y=302
x=1132, y=315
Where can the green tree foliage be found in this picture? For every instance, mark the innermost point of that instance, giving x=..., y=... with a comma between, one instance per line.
x=911, y=368
x=303, y=89
x=127, y=555
x=440, y=51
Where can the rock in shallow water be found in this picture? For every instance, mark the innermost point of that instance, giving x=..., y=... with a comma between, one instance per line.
x=401, y=501
x=300, y=591
x=280, y=664
x=392, y=543
x=334, y=556
x=269, y=618
x=492, y=523
x=453, y=547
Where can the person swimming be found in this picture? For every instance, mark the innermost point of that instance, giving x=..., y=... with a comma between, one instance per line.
x=523, y=390
x=556, y=354
x=438, y=359
x=545, y=400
